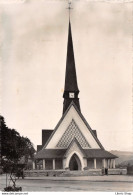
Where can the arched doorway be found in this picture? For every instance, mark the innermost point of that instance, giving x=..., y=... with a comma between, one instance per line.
x=75, y=163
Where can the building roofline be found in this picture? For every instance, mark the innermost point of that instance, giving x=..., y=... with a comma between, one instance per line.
x=75, y=140
x=84, y=120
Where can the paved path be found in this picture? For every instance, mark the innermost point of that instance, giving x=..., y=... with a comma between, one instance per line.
x=78, y=184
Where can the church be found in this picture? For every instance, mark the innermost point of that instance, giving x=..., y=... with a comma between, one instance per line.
x=73, y=144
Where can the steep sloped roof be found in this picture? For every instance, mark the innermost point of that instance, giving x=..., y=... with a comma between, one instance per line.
x=84, y=120
x=50, y=153
x=60, y=153
x=98, y=153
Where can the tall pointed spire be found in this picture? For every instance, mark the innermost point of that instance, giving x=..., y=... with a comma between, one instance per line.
x=71, y=78
x=71, y=90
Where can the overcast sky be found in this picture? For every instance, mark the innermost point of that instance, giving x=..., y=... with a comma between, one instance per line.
x=34, y=44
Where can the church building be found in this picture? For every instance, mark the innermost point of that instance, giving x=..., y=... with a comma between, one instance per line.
x=73, y=144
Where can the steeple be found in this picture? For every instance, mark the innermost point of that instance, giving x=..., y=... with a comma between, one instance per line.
x=71, y=90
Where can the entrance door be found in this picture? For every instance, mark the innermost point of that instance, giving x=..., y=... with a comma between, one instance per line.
x=75, y=163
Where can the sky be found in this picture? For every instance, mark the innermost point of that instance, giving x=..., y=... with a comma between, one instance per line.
x=33, y=58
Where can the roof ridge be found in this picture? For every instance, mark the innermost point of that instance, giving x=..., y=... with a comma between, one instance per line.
x=82, y=117
x=74, y=140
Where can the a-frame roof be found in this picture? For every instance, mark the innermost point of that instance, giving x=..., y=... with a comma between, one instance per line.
x=83, y=119
x=76, y=141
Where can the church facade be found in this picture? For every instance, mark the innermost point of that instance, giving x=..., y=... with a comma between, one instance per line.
x=73, y=144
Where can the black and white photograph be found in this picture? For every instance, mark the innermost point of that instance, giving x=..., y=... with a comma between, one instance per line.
x=66, y=83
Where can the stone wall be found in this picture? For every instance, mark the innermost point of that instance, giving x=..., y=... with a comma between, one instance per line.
x=117, y=171
x=90, y=172
x=64, y=173
x=60, y=173
x=42, y=173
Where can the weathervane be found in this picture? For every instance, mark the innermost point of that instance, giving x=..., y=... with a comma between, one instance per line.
x=69, y=8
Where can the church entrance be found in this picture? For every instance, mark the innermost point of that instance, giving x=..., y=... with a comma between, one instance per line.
x=75, y=163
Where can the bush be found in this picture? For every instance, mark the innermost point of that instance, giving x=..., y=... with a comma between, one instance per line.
x=11, y=188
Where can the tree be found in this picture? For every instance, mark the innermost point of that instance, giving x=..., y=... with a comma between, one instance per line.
x=13, y=148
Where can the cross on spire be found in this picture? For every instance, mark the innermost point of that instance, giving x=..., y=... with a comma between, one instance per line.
x=69, y=8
